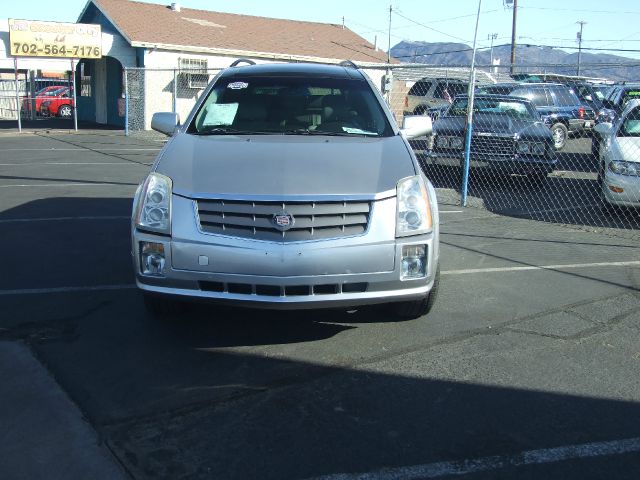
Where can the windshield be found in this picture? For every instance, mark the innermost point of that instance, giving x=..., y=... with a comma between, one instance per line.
x=631, y=125
x=630, y=95
x=511, y=108
x=291, y=105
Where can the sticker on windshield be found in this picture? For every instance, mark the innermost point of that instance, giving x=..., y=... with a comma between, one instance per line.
x=237, y=85
x=220, y=114
x=357, y=131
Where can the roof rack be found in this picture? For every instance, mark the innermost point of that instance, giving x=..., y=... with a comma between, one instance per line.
x=348, y=64
x=242, y=60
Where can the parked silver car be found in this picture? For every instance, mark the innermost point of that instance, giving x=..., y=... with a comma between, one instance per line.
x=288, y=186
x=619, y=155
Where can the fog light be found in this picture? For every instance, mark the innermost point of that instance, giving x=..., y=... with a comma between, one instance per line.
x=414, y=261
x=152, y=258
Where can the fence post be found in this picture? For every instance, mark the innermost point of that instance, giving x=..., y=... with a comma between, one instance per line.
x=15, y=67
x=126, y=101
x=75, y=98
x=467, y=141
x=175, y=91
x=32, y=95
x=469, y=130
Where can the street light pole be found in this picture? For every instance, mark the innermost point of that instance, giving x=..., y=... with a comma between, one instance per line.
x=513, y=36
x=389, y=49
x=581, y=23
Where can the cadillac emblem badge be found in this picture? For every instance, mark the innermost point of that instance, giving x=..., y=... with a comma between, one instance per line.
x=282, y=221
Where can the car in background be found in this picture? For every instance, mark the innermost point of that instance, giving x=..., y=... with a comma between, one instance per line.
x=42, y=95
x=431, y=94
x=619, y=166
x=614, y=103
x=590, y=94
x=58, y=105
x=289, y=186
x=559, y=107
x=508, y=137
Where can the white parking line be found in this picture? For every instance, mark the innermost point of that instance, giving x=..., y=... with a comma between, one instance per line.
x=32, y=291
x=69, y=163
x=38, y=185
x=151, y=149
x=62, y=219
x=541, y=267
x=484, y=464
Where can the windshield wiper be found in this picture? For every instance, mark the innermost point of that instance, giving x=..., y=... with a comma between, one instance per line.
x=234, y=131
x=306, y=131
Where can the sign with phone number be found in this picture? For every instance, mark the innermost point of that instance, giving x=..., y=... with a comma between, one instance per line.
x=34, y=38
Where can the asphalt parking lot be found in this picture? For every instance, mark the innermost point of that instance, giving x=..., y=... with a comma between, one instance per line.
x=526, y=368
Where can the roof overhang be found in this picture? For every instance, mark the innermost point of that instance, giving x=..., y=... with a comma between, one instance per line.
x=243, y=53
x=115, y=25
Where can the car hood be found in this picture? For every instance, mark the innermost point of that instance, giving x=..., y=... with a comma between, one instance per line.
x=496, y=124
x=284, y=165
x=627, y=149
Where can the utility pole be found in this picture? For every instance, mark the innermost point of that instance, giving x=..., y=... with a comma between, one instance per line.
x=513, y=35
x=579, y=35
x=492, y=37
x=389, y=49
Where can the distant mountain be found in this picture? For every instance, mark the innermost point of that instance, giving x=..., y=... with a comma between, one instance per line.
x=612, y=67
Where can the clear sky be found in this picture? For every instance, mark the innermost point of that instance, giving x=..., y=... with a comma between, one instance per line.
x=609, y=24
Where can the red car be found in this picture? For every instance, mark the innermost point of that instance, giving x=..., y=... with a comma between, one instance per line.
x=60, y=104
x=41, y=96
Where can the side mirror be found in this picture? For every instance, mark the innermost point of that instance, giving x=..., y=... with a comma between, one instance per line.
x=414, y=126
x=165, y=122
x=603, y=128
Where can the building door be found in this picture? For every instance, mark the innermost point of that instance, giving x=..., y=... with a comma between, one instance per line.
x=101, y=90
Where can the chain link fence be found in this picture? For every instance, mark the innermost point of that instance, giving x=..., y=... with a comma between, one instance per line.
x=550, y=147
x=156, y=90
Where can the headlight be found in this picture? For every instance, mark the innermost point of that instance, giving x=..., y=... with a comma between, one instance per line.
x=523, y=147
x=456, y=142
x=153, y=211
x=449, y=142
x=414, y=211
x=535, y=148
x=442, y=142
x=625, y=168
x=538, y=149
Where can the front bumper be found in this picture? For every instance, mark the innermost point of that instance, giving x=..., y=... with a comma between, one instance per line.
x=350, y=271
x=512, y=164
x=629, y=197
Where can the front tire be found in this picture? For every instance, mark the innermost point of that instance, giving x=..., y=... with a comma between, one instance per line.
x=418, y=308
x=65, y=111
x=560, y=134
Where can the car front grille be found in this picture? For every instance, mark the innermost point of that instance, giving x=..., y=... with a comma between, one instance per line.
x=307, y=220
x=492, y=146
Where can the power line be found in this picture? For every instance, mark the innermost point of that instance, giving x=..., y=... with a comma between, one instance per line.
x=582, y=10
x=430, y=28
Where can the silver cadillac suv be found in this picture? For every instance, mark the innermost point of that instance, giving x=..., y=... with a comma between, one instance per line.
x=288, y=186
